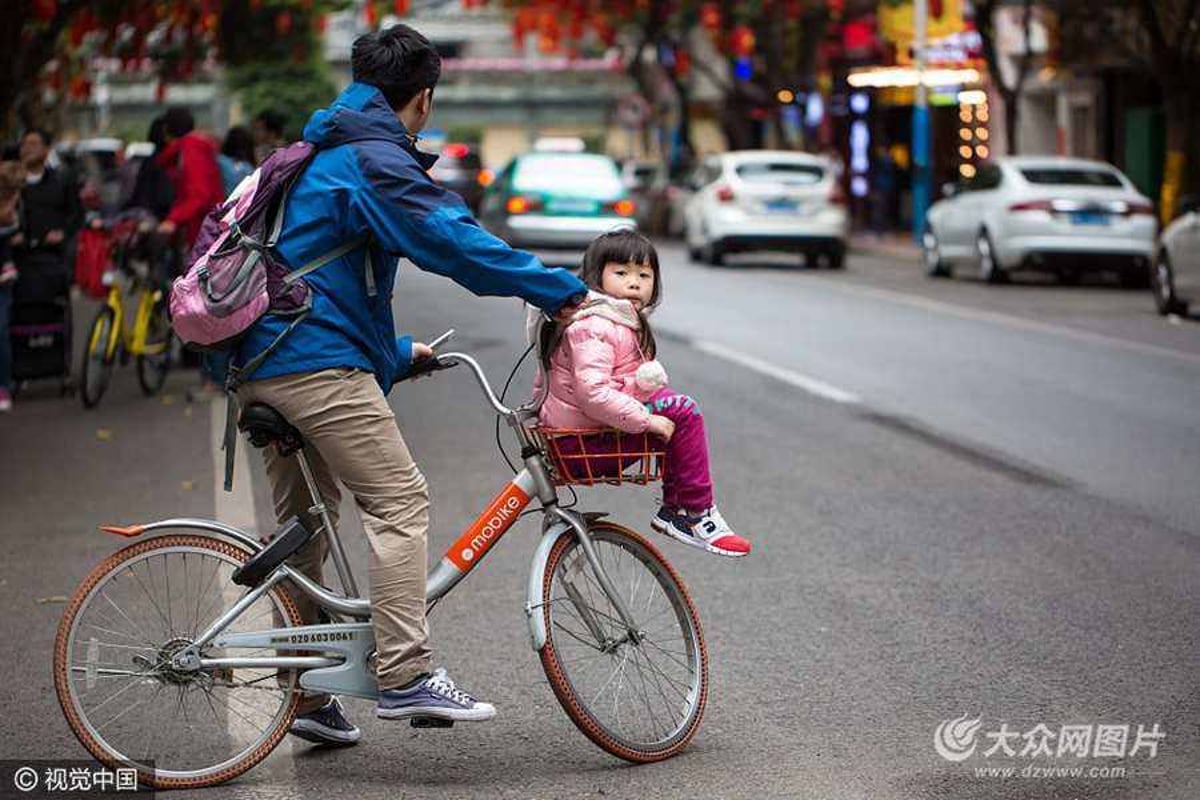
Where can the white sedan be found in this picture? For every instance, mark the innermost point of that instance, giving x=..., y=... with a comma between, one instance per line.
x=1051, y=214
x=766, y=200
x=1176, y=279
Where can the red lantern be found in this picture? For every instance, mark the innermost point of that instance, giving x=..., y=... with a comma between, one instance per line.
x=401, y=7
x=683, y=63
x=370, y=15
x=45, y=10
x=710, y=16
x=283, y=23
x=741, y=40
x=322, y=24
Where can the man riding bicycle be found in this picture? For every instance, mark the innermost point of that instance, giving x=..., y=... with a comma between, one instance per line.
x=330, y=375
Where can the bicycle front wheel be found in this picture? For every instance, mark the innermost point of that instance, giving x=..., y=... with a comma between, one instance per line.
x=637, y=695
x=98, y=358
x=113, y=675
x=154, y=362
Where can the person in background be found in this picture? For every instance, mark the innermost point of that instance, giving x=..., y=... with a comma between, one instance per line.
x=237, y=158
x=50, y=215
x=268, y=133
x=190, y=160
x=152, y=188
x=883, y=191
x=12, y=179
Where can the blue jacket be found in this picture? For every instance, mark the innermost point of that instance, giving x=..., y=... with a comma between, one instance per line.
x=368, y=178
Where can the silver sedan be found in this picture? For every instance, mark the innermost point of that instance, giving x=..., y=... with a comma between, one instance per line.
x=1060, y=215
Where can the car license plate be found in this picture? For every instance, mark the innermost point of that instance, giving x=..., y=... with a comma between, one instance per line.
x=571, y=206
x=1089, y=218
x=782, y=205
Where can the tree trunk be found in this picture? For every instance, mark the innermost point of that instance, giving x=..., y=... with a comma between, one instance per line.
x=1012, y=118
x=1181, y=170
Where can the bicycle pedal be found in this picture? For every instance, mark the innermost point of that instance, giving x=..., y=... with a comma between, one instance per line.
x=431, y=722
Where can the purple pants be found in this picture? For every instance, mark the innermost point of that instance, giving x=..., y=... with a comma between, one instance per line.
x=687, y=483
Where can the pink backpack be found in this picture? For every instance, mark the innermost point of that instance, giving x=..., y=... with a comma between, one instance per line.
x=233, y=276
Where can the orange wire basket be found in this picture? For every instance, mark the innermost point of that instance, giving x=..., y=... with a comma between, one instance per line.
x=590, y=456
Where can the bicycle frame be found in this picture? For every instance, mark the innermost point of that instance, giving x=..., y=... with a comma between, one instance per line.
x=349, y=672
x=133, y=340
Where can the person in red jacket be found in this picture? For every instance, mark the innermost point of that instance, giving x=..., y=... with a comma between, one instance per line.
x=190, y=160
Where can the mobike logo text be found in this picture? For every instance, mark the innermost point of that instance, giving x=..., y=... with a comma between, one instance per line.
x=502, y=512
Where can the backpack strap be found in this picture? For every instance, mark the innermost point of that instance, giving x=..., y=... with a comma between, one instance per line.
x=234, y=378
x=332, y=255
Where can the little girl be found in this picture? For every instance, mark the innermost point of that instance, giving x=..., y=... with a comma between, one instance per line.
x=602, y=374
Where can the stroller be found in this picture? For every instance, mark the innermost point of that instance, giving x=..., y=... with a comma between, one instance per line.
x=40, y=327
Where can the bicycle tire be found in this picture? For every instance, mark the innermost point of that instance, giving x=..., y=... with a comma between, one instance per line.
x=96, y=370
x=76, y=717
x=559, y=673
x=152, y=369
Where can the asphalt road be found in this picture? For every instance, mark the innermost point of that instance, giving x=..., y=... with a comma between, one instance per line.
x=964, y=501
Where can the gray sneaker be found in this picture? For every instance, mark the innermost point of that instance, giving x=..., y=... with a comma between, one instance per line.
x=436, y=697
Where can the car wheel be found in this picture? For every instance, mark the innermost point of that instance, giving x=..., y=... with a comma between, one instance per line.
x=713, y=254
x=931, y=253
x=835, y=258
x=989, y=270
x=693, y=254
x=1162, y=280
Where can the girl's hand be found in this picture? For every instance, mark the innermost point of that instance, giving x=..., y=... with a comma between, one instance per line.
x=661, y=426
x=421, y=350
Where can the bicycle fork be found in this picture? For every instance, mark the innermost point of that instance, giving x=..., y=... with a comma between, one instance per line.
x=537, y=624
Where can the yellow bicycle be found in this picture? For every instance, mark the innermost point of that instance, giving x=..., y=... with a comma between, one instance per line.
x=148, y=340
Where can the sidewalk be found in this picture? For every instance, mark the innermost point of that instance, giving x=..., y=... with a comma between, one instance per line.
x=889, y=245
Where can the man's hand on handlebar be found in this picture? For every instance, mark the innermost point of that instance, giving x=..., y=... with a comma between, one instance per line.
x=424, y=358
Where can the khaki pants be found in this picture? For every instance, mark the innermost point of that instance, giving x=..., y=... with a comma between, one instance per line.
x=352, y=438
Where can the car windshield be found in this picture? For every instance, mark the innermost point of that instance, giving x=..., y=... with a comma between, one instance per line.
x=1071, y=176
x=780, y=172
x=581, y=174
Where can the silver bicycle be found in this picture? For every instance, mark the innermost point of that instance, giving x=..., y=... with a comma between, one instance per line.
x=183, y=654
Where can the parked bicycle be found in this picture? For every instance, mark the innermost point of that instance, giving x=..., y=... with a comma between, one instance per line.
x=167, y=652
x=140, y=272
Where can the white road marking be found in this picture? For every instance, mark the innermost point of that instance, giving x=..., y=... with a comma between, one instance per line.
x=978, y=315
x=234, y=508
x=805, y=383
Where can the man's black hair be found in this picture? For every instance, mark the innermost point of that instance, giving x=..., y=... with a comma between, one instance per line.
x=399, y=62
x=179, y=121
x=271, y=120
x=42, y=134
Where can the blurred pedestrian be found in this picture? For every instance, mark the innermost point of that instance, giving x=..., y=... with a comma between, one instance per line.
x=883, y=191
x=12, y=180
x=268, y=133
x=50, y=215
x=152, y=188
x=190, y=160
x=237, y=158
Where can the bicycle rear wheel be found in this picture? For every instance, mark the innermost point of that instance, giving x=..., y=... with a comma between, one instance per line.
x=637, y=697
x=98, y=359
x=154, y=362
x=112, y=672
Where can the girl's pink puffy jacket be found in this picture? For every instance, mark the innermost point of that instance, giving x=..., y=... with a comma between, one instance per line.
x=593, y=371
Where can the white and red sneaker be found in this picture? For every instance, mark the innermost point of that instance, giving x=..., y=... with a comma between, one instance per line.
x=708, y=531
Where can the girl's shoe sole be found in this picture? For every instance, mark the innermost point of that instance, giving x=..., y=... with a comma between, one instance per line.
x=691, y=541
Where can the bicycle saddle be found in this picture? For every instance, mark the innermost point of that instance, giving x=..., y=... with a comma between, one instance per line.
x=265, y=425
